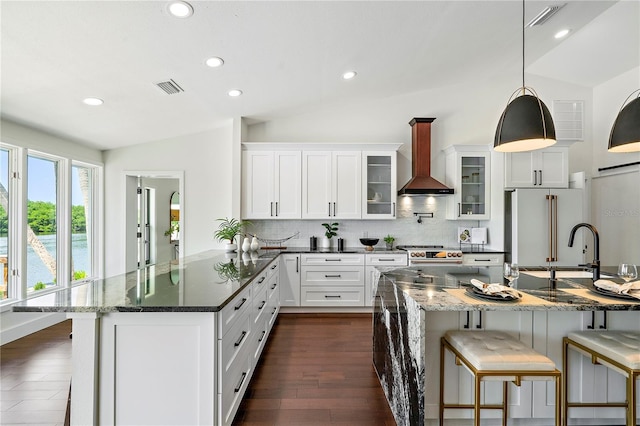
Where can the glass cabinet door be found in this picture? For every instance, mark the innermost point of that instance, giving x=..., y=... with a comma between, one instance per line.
x=379, y=185
x=472, y=185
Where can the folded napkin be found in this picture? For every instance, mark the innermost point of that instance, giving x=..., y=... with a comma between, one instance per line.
x=630, y=289
x=496, y=289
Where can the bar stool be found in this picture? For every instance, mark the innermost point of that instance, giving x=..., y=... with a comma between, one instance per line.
x=617, y=350
x=495, y=355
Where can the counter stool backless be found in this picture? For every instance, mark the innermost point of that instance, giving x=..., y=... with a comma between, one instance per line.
x=618, y=350
x=495, y=355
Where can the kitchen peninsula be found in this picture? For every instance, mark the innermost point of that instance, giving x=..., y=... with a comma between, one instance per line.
x=414, y=306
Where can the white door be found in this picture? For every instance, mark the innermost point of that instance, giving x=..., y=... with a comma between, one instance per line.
x=552, y=167
x=347, y=185
x=257, y=185
x=288, y=185
x=316, y=185
x=519, y=168
x=290, y=280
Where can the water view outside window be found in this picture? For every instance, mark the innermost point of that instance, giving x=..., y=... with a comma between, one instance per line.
x=41, y=220
x=4, y=224
x=81, y=225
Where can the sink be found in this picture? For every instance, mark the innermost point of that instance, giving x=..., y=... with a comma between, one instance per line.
x=563, y=274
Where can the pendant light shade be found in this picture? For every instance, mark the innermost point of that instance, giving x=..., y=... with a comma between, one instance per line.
x=625, y=133
x=526, y=123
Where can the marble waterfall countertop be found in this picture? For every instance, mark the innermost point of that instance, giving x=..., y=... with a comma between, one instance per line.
x=443, y=288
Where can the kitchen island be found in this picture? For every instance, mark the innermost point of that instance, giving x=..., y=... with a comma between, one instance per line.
x=415, y=306
x=167, y=344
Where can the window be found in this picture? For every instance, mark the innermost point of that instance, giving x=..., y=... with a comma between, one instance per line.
x=48, y=222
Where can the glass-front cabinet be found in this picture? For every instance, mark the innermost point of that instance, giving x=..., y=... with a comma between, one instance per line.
x=379, y=186
x=468, y=172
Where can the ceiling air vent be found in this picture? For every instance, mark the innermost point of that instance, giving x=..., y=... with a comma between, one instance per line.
x=170, y=87
x=546, y=14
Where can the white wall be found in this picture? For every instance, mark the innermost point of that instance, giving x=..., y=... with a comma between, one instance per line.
x=205, y=158
x=16, y=325
x=615, y=208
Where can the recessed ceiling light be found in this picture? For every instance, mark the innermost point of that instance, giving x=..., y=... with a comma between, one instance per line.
x=93, y=101
x=214, y=62
x=180, y=9
x=349, y=75
x=235, y=93
x=562, y=33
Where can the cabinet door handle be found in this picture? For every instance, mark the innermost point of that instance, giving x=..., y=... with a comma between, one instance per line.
x=239, y=305
x=297, y=262
x=329, y=209
x=331, y=296
x=540, y=176
x=593, y=321
x=239, y=386
x=394, y=210
x=264, y=302
x=535, y=177
x=237, y=343
x=479, y=325
x=459, y=209
x=334, y=208
x=277, y=213
x=271, y=209
x=604, y=321
x=333, y=276
x=466, y=325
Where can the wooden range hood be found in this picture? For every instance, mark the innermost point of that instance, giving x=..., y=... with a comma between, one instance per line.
x=421, y=182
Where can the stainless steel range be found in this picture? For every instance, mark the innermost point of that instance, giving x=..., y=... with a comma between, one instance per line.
x=432, y=254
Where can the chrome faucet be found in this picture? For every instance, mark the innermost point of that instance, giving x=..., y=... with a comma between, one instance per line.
x=595, y=265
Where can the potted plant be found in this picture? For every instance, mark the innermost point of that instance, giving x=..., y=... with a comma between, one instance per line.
x=330, y=232
x=228, y=230
x=389, y=241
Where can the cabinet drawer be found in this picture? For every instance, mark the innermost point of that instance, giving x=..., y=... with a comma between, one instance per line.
x=332, y=259
x=258, y=340
x=234, y=384
x=235, y=309
x=482, y=259
x=273, y=268
x=386, y=259
x=233, y=346
x=259, y=305
x=332, y=296
x=338, y=275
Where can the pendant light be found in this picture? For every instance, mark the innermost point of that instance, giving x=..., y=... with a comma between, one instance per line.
x=625, y=132
x=526, y=123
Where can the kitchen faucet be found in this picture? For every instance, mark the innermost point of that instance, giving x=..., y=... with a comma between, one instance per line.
x=595, y=265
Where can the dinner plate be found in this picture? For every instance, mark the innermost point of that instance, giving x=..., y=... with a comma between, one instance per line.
x=610, y=293
x=474, y=291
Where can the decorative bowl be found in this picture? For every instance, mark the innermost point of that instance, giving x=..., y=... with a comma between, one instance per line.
x=369, y=241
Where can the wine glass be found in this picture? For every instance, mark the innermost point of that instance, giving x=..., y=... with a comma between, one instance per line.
x=511, y=272
x=627, y=272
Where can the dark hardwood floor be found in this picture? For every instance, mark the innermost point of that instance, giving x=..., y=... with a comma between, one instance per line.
x=35, y=373
x=316, y=369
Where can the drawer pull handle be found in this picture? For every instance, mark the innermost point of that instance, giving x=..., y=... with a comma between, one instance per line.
x=333, y=260
x=237, y=388
x=482, y=260
x=262, y=336
x=264, y=302
x=261, y=280
x=274, y=267
x=333, y=276
x=331, y=296
x=274, y=286
x=386, y=260
x=239, y=305
x=244, y=333
x=275, y=308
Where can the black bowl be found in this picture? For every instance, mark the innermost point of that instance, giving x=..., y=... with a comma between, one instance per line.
x=369, y=241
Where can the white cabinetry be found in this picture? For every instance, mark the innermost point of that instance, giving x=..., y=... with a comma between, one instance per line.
x=545, y=168
x=290, y=280
x=331, y=184
x=379, y=185
x=271, y=184
x=373, y=260
x=332, y=280
x=468, y=172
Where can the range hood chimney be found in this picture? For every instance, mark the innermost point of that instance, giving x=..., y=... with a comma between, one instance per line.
x=421, y=182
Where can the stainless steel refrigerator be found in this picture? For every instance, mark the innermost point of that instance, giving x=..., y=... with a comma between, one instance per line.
x=537, y=226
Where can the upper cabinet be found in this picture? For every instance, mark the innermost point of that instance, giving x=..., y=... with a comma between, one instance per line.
x=271, y=184
x=468, y=172
x=379, y=185
x=331, y=184
x=545, y=168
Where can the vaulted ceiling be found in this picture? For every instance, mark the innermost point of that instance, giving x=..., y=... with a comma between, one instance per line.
x=284, y=56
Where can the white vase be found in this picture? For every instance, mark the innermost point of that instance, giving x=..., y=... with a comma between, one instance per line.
x=325, y=243
x=246, y=245
x=230, y=247
x=254, y=244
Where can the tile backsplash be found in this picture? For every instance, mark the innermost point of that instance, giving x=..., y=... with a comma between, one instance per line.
x=405, y=228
